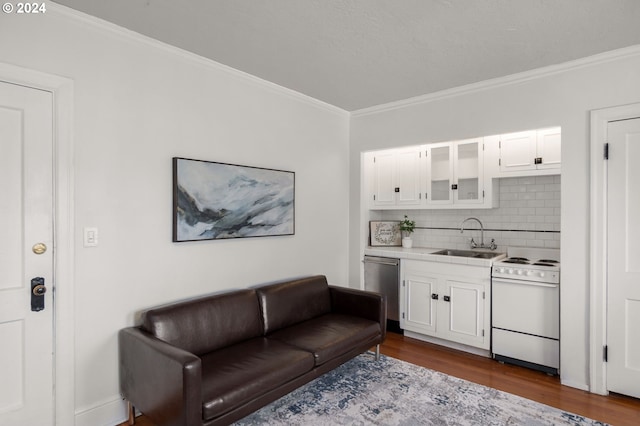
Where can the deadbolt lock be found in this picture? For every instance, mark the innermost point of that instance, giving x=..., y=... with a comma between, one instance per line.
x=37, y=294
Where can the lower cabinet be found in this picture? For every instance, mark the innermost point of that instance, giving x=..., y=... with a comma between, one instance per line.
x=447, y=301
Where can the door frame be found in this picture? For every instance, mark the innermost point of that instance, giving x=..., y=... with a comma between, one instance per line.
x=62, y=90
x=600, y=119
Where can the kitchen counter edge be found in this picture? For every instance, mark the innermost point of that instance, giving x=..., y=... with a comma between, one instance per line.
x=426, y=254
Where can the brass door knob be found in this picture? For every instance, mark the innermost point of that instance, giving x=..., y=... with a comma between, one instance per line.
x=39, y=248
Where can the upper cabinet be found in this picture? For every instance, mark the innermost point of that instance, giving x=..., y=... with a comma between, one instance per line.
x=397, y=177
x=532, y=152
x=455, y=173
x=458, y=174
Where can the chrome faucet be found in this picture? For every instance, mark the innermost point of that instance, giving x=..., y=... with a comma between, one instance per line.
x=472, y=243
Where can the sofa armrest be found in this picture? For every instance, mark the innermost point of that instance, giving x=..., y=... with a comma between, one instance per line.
x=159, y=379
x=364, y=304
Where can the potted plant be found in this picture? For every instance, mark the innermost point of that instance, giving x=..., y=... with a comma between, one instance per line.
x=407, y=227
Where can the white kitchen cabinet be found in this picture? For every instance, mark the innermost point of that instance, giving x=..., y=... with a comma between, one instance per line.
x=420, y=306
x=455, y=174
x=531, y=152
x=447, y=301
x=397, y=177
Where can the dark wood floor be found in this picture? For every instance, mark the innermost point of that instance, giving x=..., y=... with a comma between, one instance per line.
x=618, y=410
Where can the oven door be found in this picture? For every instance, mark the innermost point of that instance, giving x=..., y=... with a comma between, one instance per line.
x=526, y=307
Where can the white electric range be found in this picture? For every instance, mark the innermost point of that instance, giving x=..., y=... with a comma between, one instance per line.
x=525, y=308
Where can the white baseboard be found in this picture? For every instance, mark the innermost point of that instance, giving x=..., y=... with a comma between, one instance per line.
x=581, y=386
x=448, y=344
x=109, y=413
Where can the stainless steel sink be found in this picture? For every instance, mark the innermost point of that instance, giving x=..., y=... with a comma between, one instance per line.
x=468, y=253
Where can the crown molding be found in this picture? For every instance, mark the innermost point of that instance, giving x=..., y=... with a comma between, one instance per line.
x=503, y=81
x=132, y=36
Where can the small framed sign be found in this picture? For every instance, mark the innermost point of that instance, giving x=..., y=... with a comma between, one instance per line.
x=384, y=233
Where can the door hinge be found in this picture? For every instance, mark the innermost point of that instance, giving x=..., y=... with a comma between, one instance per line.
x=420, y=196
x=483, y=193
x=403, y=283
x=374, y=197
x=499, y=161
x=482, y=333
x=606, y=151
x=499, y=144
x=483, y=147
x=483, y=295
x=425, y=196
x=403, y=315
x=374, y=159
x=605, y=353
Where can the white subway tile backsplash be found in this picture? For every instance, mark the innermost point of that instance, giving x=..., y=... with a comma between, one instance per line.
x=528, y=215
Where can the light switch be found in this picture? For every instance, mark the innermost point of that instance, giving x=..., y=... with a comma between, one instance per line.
x=90, y=237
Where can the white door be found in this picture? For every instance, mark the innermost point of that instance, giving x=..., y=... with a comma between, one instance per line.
x=420, y=292
x=518, y=151
x=549, y=148
x=26, y=357
x=408, y=165
x=383, y=179
x=463, y=317
x=623, y=300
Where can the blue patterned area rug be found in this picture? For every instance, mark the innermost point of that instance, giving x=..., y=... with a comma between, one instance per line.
x=394, y=392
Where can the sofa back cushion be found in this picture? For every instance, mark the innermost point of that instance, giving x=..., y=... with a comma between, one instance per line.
x=206, y=324
x=294, y=301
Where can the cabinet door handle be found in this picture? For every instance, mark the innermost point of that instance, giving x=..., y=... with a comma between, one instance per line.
x=447, y=298
x=434, y=296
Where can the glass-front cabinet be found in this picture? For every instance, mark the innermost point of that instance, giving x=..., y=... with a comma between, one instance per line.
x=439, y=184
x=455, y=173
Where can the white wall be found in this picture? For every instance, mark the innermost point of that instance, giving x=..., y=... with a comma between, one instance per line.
x=138, y=104
x=556, y=96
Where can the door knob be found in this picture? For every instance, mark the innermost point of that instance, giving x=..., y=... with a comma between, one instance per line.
x=39, y=248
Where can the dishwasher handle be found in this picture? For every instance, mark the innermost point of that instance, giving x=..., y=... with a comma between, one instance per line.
x=381, y=260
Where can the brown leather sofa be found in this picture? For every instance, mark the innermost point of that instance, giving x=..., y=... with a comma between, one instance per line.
x=215, y=359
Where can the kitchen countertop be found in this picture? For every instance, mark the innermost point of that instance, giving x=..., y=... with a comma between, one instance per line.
x=426, y=253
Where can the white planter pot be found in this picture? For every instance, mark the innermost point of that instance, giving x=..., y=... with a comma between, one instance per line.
x=407, y=242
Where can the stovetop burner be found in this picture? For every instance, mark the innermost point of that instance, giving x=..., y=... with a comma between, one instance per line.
x=539, y=265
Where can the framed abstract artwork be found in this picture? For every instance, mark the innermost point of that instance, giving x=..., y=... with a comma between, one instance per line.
x=214, y=201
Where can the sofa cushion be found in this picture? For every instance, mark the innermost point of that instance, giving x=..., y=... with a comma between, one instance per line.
x=329, y=336
x=206, y=324
x=294, y=301
x=237, y=374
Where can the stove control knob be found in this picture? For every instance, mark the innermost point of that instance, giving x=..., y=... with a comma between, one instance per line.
x=519, y=272
x=541, y=274
x=529, y=273
x=510, y=271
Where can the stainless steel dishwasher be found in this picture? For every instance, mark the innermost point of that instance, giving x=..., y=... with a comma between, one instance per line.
x=382, y=275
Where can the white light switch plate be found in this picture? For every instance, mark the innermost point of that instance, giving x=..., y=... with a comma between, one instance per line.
x=90, y=237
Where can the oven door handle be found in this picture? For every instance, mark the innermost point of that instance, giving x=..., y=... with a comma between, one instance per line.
x=532, y=283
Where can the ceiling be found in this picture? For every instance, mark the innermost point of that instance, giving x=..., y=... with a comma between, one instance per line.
x=356, y=54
